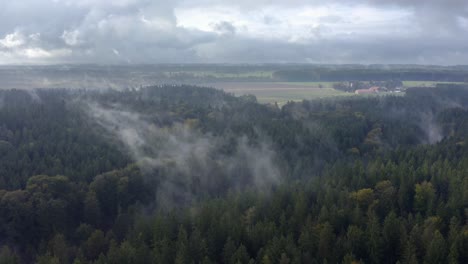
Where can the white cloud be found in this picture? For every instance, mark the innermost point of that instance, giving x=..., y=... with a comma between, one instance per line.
x=35, y=37
x=156, y=23
x=71, y=38
x=38, y=53
x=12, y=40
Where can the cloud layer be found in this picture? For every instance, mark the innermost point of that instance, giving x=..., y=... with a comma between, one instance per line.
x=179, y=31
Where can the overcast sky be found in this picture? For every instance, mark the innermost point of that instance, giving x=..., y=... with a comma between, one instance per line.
x=239, y=31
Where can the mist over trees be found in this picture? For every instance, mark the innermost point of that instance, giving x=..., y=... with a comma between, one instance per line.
x=183, y=174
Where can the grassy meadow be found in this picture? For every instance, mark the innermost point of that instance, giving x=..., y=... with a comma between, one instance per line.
x=281, y=92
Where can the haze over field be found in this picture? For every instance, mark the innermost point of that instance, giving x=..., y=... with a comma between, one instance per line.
x=207, y=31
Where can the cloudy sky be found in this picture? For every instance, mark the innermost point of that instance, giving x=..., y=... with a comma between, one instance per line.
x=233, y=31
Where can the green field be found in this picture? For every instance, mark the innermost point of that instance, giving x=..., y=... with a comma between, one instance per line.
x=405, y=84
x=281, y=93
x=283, y=96
x=221, y=74
x=312, y=84
x=425, y=83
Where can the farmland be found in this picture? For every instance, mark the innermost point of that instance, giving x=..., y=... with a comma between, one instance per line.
x=425, y=83
x=226, y=74
x=280, y=92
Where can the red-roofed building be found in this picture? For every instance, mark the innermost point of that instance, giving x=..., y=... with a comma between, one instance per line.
x=372, y=90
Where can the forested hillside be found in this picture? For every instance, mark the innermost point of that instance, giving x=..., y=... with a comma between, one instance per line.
x=181, y=174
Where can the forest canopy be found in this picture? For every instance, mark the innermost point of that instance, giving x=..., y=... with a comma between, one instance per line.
x=184, y=174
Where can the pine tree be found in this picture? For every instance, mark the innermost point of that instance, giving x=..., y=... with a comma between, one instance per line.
x=436, y=253
x=240, y=256
x=326, y=238
x=7, y=256
x=424, y=197
x=391, y=237
x=374, y=241
x=409, y=254
x=228, y=250
x=284, y=259
x=182, y=253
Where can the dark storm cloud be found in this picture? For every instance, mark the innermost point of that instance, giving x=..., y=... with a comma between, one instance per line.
x=145, y=31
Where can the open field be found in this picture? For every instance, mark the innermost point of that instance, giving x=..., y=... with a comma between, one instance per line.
x=282, y=92
x=424, y=83
x=311, y=84
x=223, y=74
x=271, y=92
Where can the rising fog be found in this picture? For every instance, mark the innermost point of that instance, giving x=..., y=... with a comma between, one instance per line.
x=193, y=163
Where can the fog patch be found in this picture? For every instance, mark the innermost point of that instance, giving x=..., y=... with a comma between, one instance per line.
x=431, y=128
x=186, y=163
x=34, y=96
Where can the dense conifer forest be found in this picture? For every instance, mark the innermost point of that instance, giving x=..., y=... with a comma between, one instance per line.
x=181, y=174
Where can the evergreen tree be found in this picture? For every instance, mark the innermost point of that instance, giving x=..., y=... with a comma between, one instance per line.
x=436, y=252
